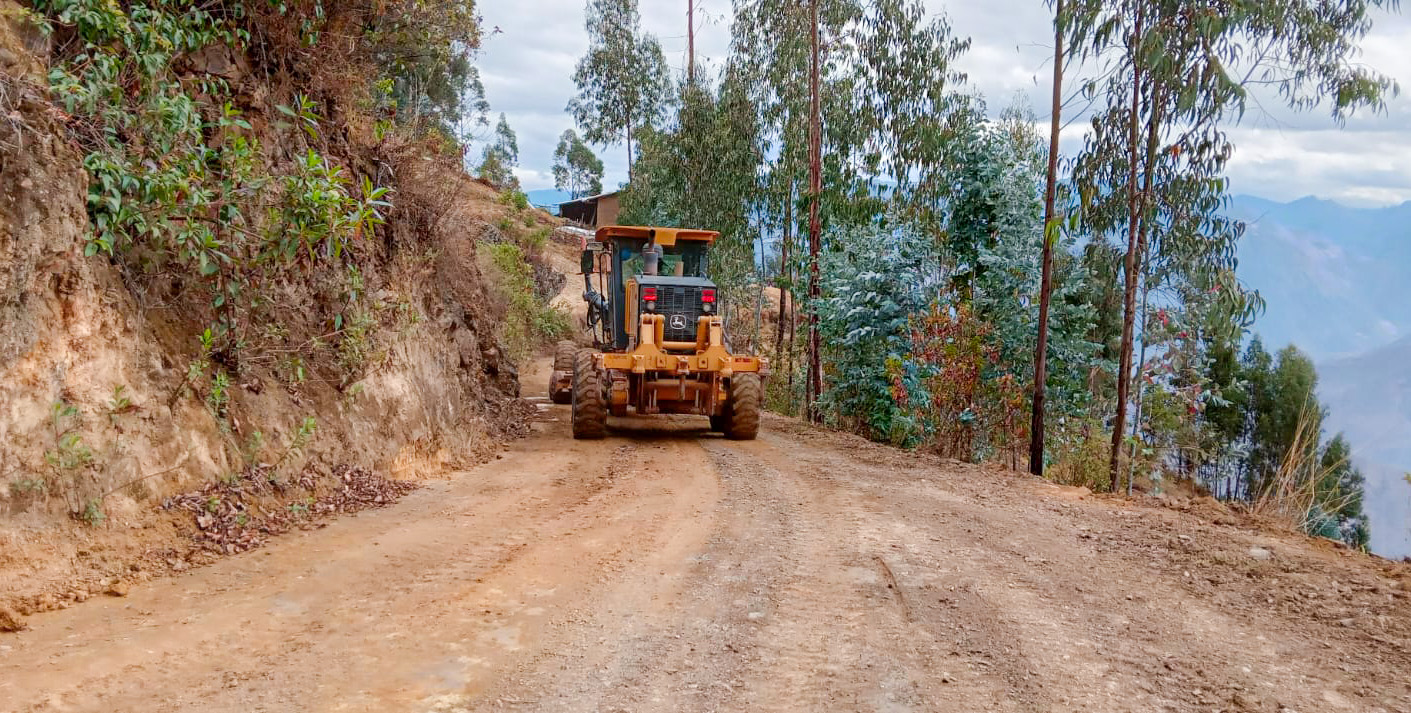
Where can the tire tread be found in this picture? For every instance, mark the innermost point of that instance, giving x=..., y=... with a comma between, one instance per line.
x=742, y=413
x=590, y=409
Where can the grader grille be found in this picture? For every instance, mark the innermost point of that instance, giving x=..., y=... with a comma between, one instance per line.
x=681, y=305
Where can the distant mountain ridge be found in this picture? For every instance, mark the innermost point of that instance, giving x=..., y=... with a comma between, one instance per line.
x=1369, y=399
x=1337, y=281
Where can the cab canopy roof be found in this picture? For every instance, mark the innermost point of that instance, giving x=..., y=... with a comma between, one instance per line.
x=661, y=236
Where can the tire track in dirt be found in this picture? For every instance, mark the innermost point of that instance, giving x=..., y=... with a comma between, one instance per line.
x=1073, y=619
x=842, y=638
x=1145, y=642
x=665, y=568
x=678, y=639
x=437, y=594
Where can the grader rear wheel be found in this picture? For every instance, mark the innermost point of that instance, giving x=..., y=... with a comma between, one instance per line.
x=590, y=407
x=741, y=415
x=563, y=362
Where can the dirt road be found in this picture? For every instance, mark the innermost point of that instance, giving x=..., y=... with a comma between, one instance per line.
x=666, y=569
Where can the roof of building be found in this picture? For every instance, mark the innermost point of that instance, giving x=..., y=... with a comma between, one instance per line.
x=586, y=200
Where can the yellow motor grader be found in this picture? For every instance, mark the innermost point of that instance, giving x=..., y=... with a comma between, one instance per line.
x=658, y=336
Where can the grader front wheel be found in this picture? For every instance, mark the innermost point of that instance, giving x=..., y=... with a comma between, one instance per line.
x=741, y=414
x=590, y=408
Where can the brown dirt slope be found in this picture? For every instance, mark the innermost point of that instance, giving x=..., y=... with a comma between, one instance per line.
x=665, y=568
x=111, y=352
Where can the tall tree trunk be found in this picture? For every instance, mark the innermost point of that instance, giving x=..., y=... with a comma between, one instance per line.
x=690, y=41
x=1036, y=419
x=1153, y=137
x=629, y=152
x=815, y=187
x=791, y=350
x=1141, y=384
x=791, y=279
x=1129, y=294
x=757, y=337
x=783, y=274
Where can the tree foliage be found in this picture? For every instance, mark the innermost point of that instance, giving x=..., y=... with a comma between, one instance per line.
x=500, y=157
x=623, y=84
x=576, y=168
x=700, y=171
x=234, y=204
x=934, y=221
x=1152, y=167
x=427, y=47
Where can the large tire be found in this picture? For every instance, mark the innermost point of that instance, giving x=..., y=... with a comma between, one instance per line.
x=590, y=406
x=564, y=354
x=563, y=362
x=742, y=413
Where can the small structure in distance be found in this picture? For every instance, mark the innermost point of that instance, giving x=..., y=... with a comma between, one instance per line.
x=592, y=211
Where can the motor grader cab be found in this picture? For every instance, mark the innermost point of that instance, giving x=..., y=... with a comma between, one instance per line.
x=658, y=337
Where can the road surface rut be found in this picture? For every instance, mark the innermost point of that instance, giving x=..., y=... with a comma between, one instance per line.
x=667, y=569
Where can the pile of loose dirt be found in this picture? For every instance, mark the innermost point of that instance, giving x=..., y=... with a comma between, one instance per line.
x=225, y=517
x=242, y=513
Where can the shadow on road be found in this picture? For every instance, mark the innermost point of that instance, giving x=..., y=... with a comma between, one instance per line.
x=662, y=428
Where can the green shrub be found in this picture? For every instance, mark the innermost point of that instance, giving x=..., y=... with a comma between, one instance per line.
x=69, y=453
x=178, y=183
x=529, y=323
x=535, y=241
x=1079, y=450
x=515, y=198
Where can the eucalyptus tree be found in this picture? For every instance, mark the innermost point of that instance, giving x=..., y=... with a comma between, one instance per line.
x=994, y=252
x=1342, y=491
x=815, y=226
x=576, y=168
x=772, y=45
x=1176, y=71
x=623, y=82
x=887, y=104
x=913, y=106
x=427, y=50
x=501, y=156
x=1050, y=234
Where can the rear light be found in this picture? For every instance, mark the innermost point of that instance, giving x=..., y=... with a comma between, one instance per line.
x=649, y=294
x=708, y=295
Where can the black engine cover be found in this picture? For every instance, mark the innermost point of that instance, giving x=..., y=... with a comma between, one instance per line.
x=679, y=301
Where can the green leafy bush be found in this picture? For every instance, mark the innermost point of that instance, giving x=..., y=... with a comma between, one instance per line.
x=180, y=185
x=872, y=289
x=1079, y=449
x=529, y=323
x=515, y=198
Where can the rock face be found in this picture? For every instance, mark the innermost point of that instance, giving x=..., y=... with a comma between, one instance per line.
x=42, y=216
x=548, y=282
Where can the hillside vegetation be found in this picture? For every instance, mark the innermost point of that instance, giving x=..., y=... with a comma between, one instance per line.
x=241, y=258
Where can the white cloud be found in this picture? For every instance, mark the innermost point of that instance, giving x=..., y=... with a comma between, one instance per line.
x=527, y=70
x=531, y=179
x=1352, y=167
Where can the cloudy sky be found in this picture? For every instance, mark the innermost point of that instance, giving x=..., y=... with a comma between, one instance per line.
x=527, y=65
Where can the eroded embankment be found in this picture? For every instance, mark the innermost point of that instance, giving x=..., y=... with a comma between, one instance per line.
x=131, y=378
